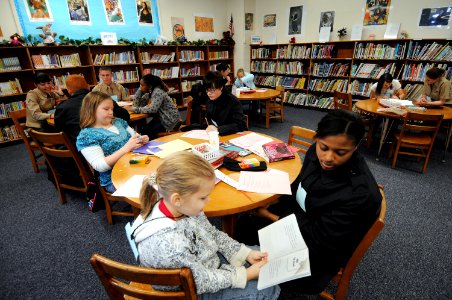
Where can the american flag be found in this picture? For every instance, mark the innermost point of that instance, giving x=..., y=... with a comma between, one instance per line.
x=231, y=26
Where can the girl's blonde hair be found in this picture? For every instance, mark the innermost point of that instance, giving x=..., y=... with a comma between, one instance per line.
x=89, y=106
x=182, y=173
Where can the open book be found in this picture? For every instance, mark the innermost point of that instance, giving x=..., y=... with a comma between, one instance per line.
x=288, y=255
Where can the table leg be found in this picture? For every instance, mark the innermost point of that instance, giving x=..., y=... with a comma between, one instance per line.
x=387, y=124
x=267, y=114
x=229, y=223
x=449, y=134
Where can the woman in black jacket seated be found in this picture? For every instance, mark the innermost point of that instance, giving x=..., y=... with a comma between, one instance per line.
x=335, y=199
x=224, y=111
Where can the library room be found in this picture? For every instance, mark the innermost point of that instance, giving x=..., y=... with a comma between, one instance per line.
x=211, y=149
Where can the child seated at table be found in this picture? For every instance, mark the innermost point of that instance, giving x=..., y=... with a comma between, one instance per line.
x=103, y=138
x=172, y=231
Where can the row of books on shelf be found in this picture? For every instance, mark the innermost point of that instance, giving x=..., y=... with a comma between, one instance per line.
x=55, y=61
x=9, y=133
x=379, y=51
x=172, y=72
x=194, y=71
x=328, y=85
x=155, y=58
x=330, y=69
x=219, y=55
x=10, y=87
x=413, y=91
x=416, y=72
x=294, y=52
x=360, y=88
x=213, y=67
x=60, y=81
x=293, y=67
x=5, y=108
x=309, y=100
x=322, y=51
x=263, y=66
x=290, y=82
x=191, y=55
x=433, y=51
x=9, y=64
x=261, y=53
x=187, y=84
x=113, y=58
x=126, y=76
x=374, y=71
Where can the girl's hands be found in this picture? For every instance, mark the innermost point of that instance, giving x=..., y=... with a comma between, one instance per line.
x=256, y=256
x=253, y=271
x=133, y=143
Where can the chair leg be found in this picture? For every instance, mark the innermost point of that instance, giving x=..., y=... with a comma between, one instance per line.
x=394, y=160
x=108, y=212
x=267, y=114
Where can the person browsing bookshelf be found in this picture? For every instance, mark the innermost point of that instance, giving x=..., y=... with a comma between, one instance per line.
x=104, y=139
x=386, y=88
x=152, y=98
x=335, y=199
x=172, y=231
x=224, y=112
x=109, y=87
x=244, y=79
x=67, y=113
x=437, y=89
x=41, y=102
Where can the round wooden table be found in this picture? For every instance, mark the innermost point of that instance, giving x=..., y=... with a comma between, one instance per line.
x=260, y=95
x=371, y=106
x=226, y=201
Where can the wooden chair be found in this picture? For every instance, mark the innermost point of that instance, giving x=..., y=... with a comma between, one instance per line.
x=189, y=109
x=57, y=146
x=122, y=280
x=302, y=137
x=342, y=278
x=343, y=101
x=274, y=108
x=109, y=200
x=418, y=134
x=18, y=117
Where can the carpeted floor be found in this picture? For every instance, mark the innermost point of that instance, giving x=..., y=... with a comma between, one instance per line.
x=46, y=246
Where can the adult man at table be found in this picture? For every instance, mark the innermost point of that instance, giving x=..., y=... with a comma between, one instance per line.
x=67, y=114
x=224, y=71
x=224, y=111
x=107, y=86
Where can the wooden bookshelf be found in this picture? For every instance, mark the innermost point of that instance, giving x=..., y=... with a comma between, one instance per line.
x=348, y=66
x=19, y=64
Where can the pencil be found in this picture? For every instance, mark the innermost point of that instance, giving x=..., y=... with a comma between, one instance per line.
x=207, y=121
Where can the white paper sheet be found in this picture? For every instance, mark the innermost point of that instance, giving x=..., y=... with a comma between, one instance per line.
x=271, y=182
x=357, y=32
x=132, y=187
x=200, y=134
x=249, y=140
x=226, y=179
x=173, y=146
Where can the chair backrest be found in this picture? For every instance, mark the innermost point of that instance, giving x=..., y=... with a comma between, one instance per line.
x=58, y=145
x=302, y=137
x=116, y=278
x=282, y=93
x=19, y=117
x=343, y=101
x=421, y=123
x=189, y=109
x=371, y=235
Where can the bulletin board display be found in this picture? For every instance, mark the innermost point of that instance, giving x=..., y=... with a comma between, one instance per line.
x=80, y=19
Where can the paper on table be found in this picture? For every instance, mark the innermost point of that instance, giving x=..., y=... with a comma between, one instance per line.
x=271, y=182
x=124, y=103
x=249, y=140
x=200, y=134
x=226, y=179
x=132, y=187
x=261, y=90
x=171, y=147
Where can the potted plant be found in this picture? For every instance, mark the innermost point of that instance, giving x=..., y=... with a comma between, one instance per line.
x=341, y=33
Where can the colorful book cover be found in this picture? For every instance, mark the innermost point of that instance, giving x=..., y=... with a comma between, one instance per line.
x=277, y=151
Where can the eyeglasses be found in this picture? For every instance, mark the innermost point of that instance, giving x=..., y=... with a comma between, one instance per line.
x=211, y=90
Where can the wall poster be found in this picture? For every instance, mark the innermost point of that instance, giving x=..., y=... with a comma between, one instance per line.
x=38, y=11
x=326, y=19
x=178, y=29
x=270, y=20
x=144, y=12
x=113, y=12
x=78, y=12
x=295, y=16
x=376, y=12
x=437, y=17
x=249, y=21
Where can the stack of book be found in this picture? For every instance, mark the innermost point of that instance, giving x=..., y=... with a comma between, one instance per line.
x=263, y=66
x=186, y=85
x=126, y=76
x=265, y=80
x=10, y=87
x=194, y=71
x=293, y=67
x=5, y=108
x=9, y=64
x=46, y=61
x=191, y=55
x=146, y=57
x=261, y=53
x=114, y=58
x=433, y=51
x=70, y=60
x=322, y=51
x=9, y=133
x=218, y=55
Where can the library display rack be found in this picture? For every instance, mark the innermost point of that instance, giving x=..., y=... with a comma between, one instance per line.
x=179, y=66
x=311, y=72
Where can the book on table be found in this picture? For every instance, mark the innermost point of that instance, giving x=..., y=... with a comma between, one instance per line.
x=277, y=151
x=288, y=255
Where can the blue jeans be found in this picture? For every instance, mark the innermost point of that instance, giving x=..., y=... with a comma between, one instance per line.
x=249, y=292
x=110, y=188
